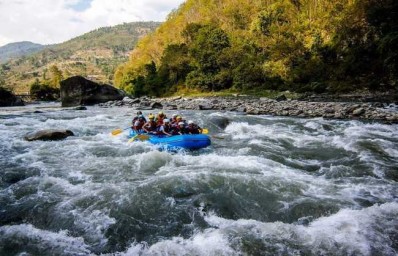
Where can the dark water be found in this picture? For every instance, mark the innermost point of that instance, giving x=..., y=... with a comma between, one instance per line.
x=266, y=186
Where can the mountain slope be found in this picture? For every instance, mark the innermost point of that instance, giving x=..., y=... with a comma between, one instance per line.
x=14, y=50
x=95, y=55
x=251, y=45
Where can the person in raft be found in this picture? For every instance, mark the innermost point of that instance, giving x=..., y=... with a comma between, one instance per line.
x=139, y=114
x=192, y=128
x=138, y=124
x=150, y=126
x=166, y=128
x=174, y=119
x=159, y=118
x=180, y=128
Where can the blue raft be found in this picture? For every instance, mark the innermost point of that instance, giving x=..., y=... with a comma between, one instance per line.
x=186, y=141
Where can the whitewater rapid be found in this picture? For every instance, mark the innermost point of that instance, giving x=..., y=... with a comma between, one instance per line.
x=266, y=186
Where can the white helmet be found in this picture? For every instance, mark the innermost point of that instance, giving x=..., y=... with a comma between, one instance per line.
x=136, y=123
x=166, y=120
x=190, y=122
x=175, y=115
x=181, y=123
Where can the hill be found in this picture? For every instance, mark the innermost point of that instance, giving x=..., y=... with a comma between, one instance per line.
x=14, y=50
x=254, y=45
x=94, y=55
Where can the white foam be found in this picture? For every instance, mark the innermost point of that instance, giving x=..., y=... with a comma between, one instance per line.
x=29, y=238
x=348, y=232
x=210, y=242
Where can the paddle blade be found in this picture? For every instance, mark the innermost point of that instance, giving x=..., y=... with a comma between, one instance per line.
x=205, y=131
x=140, y=137
x=217, y=137
x=116, y=132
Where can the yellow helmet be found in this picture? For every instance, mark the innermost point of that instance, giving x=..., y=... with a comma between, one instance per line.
x=151, y=116
x=178, y=117
x=161, y=113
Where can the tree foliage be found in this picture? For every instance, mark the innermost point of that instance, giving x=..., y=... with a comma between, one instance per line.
x=43, y=91
x=320, y=45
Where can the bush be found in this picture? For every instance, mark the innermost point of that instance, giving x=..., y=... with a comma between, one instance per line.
x=43, y=92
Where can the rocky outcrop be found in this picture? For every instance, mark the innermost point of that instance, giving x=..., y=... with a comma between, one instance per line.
x=8, y=99
x=264, y=106
x=219, y=121
x=77, y=90
x=50, y=134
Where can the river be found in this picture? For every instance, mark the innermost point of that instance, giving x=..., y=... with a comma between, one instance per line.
x=266, y=186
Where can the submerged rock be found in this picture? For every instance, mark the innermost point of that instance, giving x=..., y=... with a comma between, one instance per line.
x=219, y=121
x=80, y=108
x=50, y=134
x=77, y=91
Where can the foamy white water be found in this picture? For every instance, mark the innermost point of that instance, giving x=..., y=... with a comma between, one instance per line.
x=266, y=186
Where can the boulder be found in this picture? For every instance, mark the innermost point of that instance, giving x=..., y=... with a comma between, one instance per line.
x=77, y=91
x=156, y=105
x=80, y=108
x=219, y=121
x=281, y=98
x=205, y=107
x=358, y=111
x=50, y=134
x=8, y=99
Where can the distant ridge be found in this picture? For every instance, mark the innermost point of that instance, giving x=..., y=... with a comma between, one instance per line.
x=18, y=49
x=94, y=55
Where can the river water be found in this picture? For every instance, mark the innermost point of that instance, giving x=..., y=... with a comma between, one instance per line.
x=266, y=186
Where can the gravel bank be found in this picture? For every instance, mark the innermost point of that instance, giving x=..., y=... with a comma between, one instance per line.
x=372, y=111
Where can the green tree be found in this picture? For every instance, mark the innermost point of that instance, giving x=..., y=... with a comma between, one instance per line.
x=175, y=66
x=207, y=50
x=43, y=91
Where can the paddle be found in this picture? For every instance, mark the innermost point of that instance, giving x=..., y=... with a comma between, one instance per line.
x=118, y=131
x=139, y=137
x=206, y=131
x=217, y=137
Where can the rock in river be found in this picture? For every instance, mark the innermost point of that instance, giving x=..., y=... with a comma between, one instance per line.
x=77, y=91
x=7, y=98
x=50, y=134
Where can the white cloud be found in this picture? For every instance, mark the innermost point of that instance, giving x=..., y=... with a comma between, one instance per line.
x=54, y=21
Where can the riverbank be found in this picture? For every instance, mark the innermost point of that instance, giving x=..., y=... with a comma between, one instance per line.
x=372, y=111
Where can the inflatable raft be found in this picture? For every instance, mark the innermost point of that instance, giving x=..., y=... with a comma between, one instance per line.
x=186, y=141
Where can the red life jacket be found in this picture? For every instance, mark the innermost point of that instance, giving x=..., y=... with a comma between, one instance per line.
x=159, y=119
x=139, y=126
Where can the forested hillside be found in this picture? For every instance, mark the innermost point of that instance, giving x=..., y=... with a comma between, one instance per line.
x=253, y=45
x=14, y=50
x=94, y=55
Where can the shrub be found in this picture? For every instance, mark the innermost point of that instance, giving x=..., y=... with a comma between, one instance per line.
x=43, y=92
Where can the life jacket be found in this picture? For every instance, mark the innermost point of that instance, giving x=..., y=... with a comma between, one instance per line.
x=159, y=119
x=167, y=128
x=181, y=130
x=194, y=129
x=138, y=124
x=136, y=118
x=151, y=127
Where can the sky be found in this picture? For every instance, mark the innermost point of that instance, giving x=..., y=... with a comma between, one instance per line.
x=55, y=21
